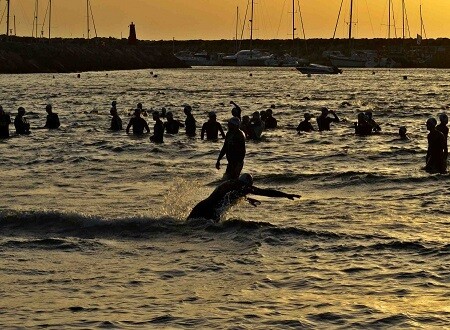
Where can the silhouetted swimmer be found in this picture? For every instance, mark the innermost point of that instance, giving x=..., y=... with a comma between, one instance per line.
x=172, y=126
x=246, y=126
x=323, y=121
x=5, y=120
x=362, y=126
x=256, y=126
x=270, y=122
x=375, y=127
x=402, y=133
x=442, y=127
x=212, y=128
x=189, y=122
x=228, y=194
x=305, y=125
x=158, y=129
x=20, y=122
x=52, y=121
x=435, y=160
x=116, y=122
x=138, y=123
x=236, y=111
x=263, y=116
x=234, y=149
x=78, y=75
x=163, y=113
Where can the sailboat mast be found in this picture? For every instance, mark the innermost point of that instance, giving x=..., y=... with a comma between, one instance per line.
x=403, y=19
x=236, y=32
x=36, y=11
x=251, y=31
x=350, y=24
x=49, y=19
x=389, y=19
x=87, y=10
x=293, y=24
x=7, y=18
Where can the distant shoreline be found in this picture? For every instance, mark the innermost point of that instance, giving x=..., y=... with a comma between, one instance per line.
x=61, y=55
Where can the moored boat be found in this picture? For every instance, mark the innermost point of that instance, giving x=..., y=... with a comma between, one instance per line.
x=319, y=69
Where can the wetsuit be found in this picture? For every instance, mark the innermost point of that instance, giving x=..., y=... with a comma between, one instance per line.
x=5, y=120
x=190, y=125
x=116, y=123
x=52, y=121
x=158, y=132
x=21, y=124
x=234, y=149
x=435, y=160
x=172, y=126
x=271, y=122
x=305, y=126
x=138, y=124
x=324, y=122
x=211, y=128
x=226, y=195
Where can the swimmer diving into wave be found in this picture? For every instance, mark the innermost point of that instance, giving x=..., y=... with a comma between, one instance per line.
x=228, y=194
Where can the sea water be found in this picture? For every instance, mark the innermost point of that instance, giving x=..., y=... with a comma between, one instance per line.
x=92, y=222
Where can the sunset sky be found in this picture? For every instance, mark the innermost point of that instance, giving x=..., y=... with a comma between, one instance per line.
x=216, y=19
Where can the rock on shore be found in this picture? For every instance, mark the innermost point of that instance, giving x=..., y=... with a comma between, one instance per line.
x=28, y=55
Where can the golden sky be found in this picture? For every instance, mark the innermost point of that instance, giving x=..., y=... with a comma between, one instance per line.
x=216, y=19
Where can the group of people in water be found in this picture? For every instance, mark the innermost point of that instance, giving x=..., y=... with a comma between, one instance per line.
x=240, y=129
x=21, y=123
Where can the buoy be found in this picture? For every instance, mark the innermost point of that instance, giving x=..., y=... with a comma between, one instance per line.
x=405, y=77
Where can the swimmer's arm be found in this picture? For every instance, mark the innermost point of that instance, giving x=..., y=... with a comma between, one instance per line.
x=336, y=118
x=202, y=135
x=221, y=131
x=272, y=193
x=147, y=128
x=128, y=126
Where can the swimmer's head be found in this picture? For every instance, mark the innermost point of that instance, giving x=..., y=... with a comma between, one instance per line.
x=1, y=108
x=443, y=118
x=137, y=112
x=21, y=110
x=169, y=115
x=212, y=114
x=114, y=103
x=362, y=116
x=163, y=110
x=402, y=131
x=256, y=114
x=234, y=122
x=187, y=109
x=246, y=178
x=139, y=106
x=269, y=112
x=369, y=114
x=324, y=110
x=48, y=107
x=308, y=116
x=431, y=123
x=235, y=112
x=155, y=115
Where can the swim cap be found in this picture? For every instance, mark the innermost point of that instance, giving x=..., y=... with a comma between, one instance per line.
x=246, y=178
x=431, y=122
x=234, y=121
x=443, y=117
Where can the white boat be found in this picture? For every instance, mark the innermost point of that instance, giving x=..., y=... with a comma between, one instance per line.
x=318, y=69
x=357, y=59
x=200, y=59
x=250, y=58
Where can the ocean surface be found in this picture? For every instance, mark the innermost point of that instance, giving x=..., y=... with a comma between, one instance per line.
x=92, y=223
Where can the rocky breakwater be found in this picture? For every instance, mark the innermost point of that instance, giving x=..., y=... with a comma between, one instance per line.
x=28, y=55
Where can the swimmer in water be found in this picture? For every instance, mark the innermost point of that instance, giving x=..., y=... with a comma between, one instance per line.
x=212, y=128
x=435, y=160
x=138, y=123
x=52, y=118
x=228, y=194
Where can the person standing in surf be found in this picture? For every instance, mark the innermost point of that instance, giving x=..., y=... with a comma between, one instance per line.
x=190, y=122
x=212, y=128
x=138, y=123
x=323, y=121
x=442, y=127
x=234, y=149
x=228, y=194
x=5, y=120
x=52, y=118
x=435, y=161
x=158, y=129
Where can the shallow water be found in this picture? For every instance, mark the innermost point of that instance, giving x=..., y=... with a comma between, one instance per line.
x=92, y=222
